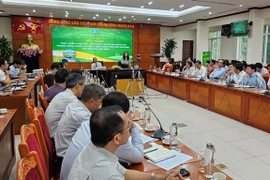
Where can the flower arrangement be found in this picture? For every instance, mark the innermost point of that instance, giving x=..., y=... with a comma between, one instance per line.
x=30, y=52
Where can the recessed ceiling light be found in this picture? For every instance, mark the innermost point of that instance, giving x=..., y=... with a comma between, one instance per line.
x=66, y=15
x=120, y=19
x=94, y=17
x=97, y=15
x=181, y=6
x=124, y=17
x=34, y=10
x=70, y=0
x=80, y=18
x=132, y=16
x=240, y=5
x=51, y=15
x=149, y=19
x=171, y=9
x=142, y=6
x=129, y=21
x=27, y=14
x=108, y=3
x=1, y=12
x=210, y=13
x=109, y=17
x=113, y=0
x=166, y=23
x=66, y=11
x=181, y=20
x=105, y=19
x=81, y=15
x=151, y=2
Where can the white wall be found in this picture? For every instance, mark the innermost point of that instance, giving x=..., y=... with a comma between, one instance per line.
x=179, y=35
x=5, y=27
x=228, y=48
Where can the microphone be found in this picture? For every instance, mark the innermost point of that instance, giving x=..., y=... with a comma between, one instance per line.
x=158, y=134
x=263, y=81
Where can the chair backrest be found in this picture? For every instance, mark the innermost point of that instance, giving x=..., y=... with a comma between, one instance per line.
x=30, y=141
x=30, y=108
x=42, y=126
x=42, y=83
x=43, y=101
x=29, y=168
x=101, y=62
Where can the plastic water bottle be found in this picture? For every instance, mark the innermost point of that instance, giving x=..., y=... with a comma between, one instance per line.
x=209, y=160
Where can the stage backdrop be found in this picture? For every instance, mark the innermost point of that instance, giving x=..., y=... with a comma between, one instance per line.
x=81, y=44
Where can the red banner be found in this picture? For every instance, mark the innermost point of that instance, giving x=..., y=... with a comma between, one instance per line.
x=27, y=27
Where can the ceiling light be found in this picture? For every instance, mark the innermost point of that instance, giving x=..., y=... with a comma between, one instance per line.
x=120, y=19
x=1, y=12
x=151, y=2
x=181, y=6
x=94, y=17
x=97, y=15
x=181, y=20
x=81, y=15
x=113, y=0
x=210, y=13
x=134, y=19
x=171, y=9
x=108, y=3
x=109, y=17
x=149, y=19
x=124, y=17
x=80, y=18
x=129, y=21
x=66, y=15
x=51, y=15
x=27, y=14
x=132, y=16
x=142, y=6
x=240, y=5
x=105, y=19
x=70, y=0
x=34, y=10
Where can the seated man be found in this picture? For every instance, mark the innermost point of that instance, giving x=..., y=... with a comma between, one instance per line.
x=59, y=86
x=76, y=113
x=131, y=152
x=109, y=128
x=54, y=67
x=253, y=78
x=200, y=71
x=55, y=110
x=4, y=76
x=237, y=74
x=17, y=69
x=260, y=69
x=219, y=71
x=96, y=65
x=49, y=80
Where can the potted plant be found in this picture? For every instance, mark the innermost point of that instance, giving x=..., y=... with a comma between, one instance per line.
x=5, y=48
x=169, y=47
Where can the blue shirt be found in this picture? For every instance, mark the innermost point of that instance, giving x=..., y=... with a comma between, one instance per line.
x=14, y=71
x=217, y=73
x=255, y=80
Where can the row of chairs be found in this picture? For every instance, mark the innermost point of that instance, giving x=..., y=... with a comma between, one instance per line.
x=37, y=148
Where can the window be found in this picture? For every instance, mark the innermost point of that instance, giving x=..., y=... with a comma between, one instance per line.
x=266, y=45
x=243, y=45
x=214, y=44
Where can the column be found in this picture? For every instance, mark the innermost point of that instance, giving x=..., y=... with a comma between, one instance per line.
x=202, y=39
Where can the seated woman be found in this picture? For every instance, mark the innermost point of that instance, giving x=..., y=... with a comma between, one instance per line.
x=167, y=66
x=124, y=63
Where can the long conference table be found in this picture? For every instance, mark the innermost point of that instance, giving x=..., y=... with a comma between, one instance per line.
x=245, y=105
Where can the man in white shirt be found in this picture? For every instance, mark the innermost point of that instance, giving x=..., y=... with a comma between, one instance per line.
x=56, y=108
x=237, y=74
x=4, y=77
x=200, y=71
x=131, y=152
x=110, y=129
x=96, y=65
x=189, y=68
x=76, y=113
x=260, y=69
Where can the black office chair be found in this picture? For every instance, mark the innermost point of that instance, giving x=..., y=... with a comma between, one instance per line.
x=101, y=62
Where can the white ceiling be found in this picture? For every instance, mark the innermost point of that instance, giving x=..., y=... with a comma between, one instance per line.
x=126, y=9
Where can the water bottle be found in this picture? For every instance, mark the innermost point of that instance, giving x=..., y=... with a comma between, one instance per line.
x=209, y=160
x=141, y=110
x=103, y=84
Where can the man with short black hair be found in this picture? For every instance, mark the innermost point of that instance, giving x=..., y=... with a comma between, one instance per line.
x=200, y=71
x=4, y=76
x=260, y=69
x=237, y=74
x=219, y=71
x=74, y=85
x=59, y=86
x=254, y=79
x=15, y=69
x=54, y=67
x=76, y=113
x=109, y=128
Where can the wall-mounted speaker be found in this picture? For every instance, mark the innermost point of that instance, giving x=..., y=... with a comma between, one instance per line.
x=226, y=30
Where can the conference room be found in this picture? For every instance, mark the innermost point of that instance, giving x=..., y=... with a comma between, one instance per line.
x=195, y=73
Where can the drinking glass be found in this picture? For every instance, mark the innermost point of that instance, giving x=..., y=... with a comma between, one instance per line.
x=200, y=157
x=176, y=139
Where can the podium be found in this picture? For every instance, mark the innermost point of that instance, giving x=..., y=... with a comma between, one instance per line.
x=156, y=56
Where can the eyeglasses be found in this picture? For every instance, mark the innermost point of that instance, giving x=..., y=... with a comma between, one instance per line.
x=130, y=126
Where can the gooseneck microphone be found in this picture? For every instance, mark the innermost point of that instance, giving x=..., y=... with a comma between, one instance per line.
x=158, y=134
x=106, y=85
x=263, y=81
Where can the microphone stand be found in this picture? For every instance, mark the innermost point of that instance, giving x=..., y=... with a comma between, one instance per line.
x=267, y=88
x=158, y=134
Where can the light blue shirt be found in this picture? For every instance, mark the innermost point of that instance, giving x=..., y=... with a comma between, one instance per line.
x=255, y=80
x=217, y=73
x=131, y=152
x=14, y=71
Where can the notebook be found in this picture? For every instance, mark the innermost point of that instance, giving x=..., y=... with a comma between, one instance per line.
x=159, y=155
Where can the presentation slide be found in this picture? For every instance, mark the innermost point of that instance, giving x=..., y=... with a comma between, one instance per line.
x=81, y=44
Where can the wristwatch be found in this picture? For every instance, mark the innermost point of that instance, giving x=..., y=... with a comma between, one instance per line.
x=153, y=176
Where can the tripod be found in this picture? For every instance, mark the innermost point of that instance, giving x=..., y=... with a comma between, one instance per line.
x=129, y=88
